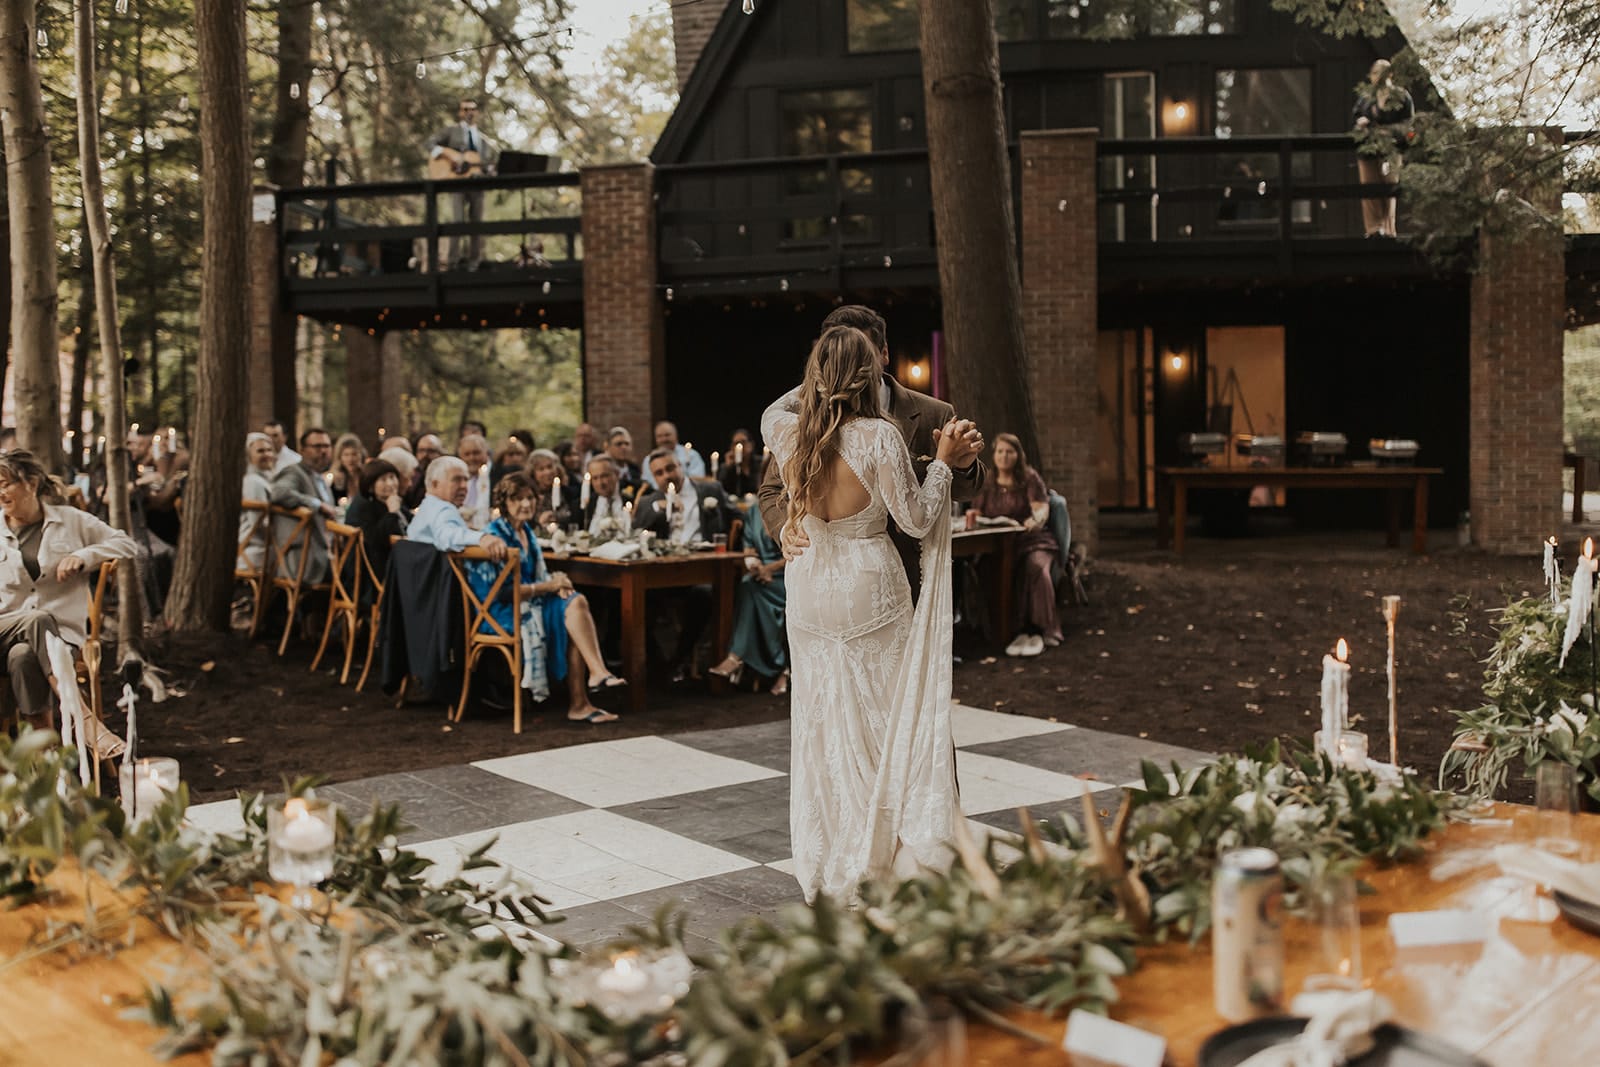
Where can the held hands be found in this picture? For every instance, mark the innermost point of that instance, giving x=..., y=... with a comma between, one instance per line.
x=958, y=443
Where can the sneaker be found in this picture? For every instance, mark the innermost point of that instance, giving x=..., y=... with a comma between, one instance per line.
x=1034, y=647
x=1017, y=645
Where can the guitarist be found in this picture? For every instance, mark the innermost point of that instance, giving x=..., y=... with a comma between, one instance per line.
x=467, y=153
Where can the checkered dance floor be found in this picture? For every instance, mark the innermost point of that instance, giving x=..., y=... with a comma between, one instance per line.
x=609, y=831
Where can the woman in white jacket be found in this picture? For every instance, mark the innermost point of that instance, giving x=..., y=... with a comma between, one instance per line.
x=49, y=553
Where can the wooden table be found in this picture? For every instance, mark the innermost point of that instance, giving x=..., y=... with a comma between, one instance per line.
x=1173, y=485
x=1001, y=541
x=634, y=577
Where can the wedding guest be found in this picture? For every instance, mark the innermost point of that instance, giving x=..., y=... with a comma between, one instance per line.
x=1017, y=492
x=428, y=447
x=348, y=456
x=587, y=441
x=473, y=450
x=605, y=497
x=471, y=428
x=571, y=459
x=438, y=520
x=304, y=486
x=740, y=470
x=526, y=437
x=545, y=468
x=49, y=552
x=287, y=457
x=378, y=510
x=1382, y=117
x=259, y=459
x=619, y=446
x=688, y=458
x=759, y=641
x=556, y=629
x=511, y=456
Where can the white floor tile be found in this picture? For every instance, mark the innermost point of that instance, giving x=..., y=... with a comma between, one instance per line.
x=447, y=854
x=975, y=726
x=617, y=880
x=989, y=783
x=786, y=866
x=546, y=854
x=649, y=846
x=612, y=773
x=220, y=817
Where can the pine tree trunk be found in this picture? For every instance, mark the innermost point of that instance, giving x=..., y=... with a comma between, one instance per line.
x=202, y=584
x=83, y=344
x=979, y=283
x=130, y=595
x=5, y=289
x=35, y=357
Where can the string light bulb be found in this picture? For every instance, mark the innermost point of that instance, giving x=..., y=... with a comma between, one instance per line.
x=422, y=69
x=545, y=287
x=44, y=39
x=294, y=90
x=183, y=103
x=122, y=7
x=749, y=7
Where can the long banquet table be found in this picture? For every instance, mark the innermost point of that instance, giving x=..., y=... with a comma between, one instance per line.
x=1529, y=995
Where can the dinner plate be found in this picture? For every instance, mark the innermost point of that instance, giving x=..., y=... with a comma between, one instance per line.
x=1395, y=1045
x=1583, y=914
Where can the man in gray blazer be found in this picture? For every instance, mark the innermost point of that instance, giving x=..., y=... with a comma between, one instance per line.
x=453, y=143
x=302, y=485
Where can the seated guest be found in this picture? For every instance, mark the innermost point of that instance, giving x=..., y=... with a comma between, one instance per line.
x=410, y=471
x=740, y=472
x=438, y=520
x=545, y=468
x=287, y=457
x=619, y=446
x=378, y=511
x=605, y=496
x=688, y=458
x=759, y=641
x=425, y=450
x=699, y=508
x=348, y=456
x=571, y=460
x=557, y=631
x=511, y=456
x=473, y=450
x=259, y=459
x=526, y=437
x=1017, y=492
x=470, y=428
x=49, y=553
x=303, y=485
x=587, y=442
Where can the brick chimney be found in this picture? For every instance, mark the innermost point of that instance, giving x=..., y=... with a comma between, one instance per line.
x=691, y=27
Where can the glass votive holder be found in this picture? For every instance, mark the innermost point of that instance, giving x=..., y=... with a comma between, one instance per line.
x=300, y=839
x=145, y=785
x=1352, y=749
x=1334, y=910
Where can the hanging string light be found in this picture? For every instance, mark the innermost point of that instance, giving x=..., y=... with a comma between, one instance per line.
x=294, y=90
x=749, y=7
x=122, y=7
x=422, y=70
x=43, y=39
x=183, y=103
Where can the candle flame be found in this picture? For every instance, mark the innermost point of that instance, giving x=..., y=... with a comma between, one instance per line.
x=1342, y=650
x=586, y=476
x=296, y=808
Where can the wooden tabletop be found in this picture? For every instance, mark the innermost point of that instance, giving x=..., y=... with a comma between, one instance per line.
x=1529, y=995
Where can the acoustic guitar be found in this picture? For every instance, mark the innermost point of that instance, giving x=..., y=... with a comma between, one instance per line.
x=449, y=164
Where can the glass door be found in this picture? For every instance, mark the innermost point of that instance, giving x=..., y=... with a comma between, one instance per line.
x=1128, y=110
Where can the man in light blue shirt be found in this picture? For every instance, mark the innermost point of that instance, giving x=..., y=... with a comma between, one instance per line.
x=689, y=461
x=438, y=520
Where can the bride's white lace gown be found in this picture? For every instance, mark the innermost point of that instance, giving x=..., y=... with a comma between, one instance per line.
x=872, y=784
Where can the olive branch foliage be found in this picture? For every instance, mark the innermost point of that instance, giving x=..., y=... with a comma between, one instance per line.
x=409, y=965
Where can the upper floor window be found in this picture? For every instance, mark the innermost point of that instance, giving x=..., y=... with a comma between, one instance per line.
x=1120, y=19
x=1263, y=101
x=826, y=122
x=892, y=25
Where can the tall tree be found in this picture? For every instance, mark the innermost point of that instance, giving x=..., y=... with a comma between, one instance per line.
x=35, y=354
x=130, y=599
x=202, y=583
x=286, y=166
x=980, y=286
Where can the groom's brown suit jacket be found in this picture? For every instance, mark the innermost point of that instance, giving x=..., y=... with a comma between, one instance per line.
x=917, y=415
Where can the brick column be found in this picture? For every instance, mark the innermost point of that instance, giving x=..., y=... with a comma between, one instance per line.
x=1518, y=308
x=1060, y=297
x=272, y=330
x=624, y=379
x=372, y=375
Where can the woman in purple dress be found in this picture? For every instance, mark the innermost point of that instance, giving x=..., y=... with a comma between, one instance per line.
x=1017, y=492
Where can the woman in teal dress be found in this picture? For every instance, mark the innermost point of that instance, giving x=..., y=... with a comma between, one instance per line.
x=758, y=639
x=557, y=629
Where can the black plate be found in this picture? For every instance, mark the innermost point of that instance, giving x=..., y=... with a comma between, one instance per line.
x=1396, y=1046
x=1583, y=914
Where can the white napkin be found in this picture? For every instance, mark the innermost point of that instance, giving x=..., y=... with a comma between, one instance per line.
x=1581, y=880
x=615, y=550
x=1339, y=1030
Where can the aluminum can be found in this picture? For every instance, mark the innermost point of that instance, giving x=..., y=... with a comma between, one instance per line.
x=1247, y=934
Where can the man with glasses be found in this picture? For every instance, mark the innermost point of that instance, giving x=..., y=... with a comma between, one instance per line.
x=303, y=485
x=468, y=154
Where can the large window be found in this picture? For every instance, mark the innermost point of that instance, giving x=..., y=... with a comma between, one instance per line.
x=1261, y=103
x=892, y=25
x=1120, y=19
x=820, y=123
x=1128, y=110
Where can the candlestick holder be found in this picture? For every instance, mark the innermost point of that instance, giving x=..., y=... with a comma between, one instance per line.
x=300, y=839
x=145, y=785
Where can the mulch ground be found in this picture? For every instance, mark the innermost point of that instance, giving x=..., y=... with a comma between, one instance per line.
x=1218, y=651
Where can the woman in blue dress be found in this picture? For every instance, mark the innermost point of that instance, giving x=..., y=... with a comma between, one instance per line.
x=758, y=640
x=557, y=629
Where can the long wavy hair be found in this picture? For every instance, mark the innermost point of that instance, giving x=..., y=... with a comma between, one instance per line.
x=840, y=383
x=20, y=465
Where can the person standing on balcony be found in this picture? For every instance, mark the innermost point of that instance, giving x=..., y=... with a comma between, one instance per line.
x=1382, y=118
x=469, y=154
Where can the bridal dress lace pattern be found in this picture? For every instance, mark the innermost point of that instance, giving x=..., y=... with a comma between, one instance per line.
x=872, y=775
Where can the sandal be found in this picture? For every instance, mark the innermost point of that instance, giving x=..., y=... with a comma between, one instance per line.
x=595, y=717
x=730, y=670
x=610, y=681
x=780, y=686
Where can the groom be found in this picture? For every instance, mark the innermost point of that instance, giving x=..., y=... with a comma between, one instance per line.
x=917, y=416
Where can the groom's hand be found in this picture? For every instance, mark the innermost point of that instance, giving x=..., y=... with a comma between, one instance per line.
x=794, y=542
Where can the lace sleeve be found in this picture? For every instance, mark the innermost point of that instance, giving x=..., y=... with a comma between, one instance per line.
x=778, y=424
x=915, y=507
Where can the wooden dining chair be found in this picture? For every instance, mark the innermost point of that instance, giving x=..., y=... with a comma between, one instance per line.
x=496, y=637
x=291, y=579
x=374, y=580
x=736, y=535
x=344, y=593
x=256, y=576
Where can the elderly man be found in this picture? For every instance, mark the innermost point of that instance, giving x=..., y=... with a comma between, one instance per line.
x=474, y=452
x=303, y=485
x=287, y=457
x=605, y=494
x=438, y=520
x=619, y=446
x=688, y=458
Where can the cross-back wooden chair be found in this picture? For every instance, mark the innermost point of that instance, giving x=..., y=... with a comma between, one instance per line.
x=736, y=535
x=255, y=576
x=476, y=612
x=291, y=579
x=344, y=593
x=374, y=580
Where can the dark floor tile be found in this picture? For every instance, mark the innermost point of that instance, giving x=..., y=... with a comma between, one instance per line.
x=765, y=794
x=593, y=924
x=1106, y=802
x=513, y=801
x=763, y=846
x=763, y=888
x=1109, y=758
x=709, y=825
x=764, y=744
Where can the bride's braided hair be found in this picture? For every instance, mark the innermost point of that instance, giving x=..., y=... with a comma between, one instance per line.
x=841, y=382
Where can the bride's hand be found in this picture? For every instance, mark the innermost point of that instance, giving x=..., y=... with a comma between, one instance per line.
x=951, y=443
x=794, y=541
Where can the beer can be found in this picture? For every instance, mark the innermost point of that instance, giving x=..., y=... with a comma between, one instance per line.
x=1247, y=934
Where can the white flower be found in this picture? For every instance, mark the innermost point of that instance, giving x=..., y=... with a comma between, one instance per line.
x=1246, y=802
x=709, y=504
x=1292, y=815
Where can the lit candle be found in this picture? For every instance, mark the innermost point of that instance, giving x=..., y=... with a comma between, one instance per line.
x=1552, y=570
x=625, y=978
x=672, y=500
x=738, y=455
x=328, y=477
x=100, y=445
x=714, y=457
x=583, y=491
x=155, y=448
x=555, y=495
x=303, y=832
x=66, y=442
x=1335, y=698
x=1391, y=611
x=146, y=785
x=172, y=440
x=627, y=518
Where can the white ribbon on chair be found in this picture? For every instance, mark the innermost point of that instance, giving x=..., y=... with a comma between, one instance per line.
x=74, y=724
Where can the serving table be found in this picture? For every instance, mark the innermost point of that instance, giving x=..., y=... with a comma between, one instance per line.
x=1001, y=542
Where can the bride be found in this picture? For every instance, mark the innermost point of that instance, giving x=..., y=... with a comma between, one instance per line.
x=873, y=786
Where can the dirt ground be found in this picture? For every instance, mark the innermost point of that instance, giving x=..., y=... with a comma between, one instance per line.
x=1214, y=652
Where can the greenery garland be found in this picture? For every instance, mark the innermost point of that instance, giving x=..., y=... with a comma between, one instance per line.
x=402, y=969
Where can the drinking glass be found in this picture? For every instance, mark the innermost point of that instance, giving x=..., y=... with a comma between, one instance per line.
x=719, y=542
x=1556, y=797
x=1335, y=912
